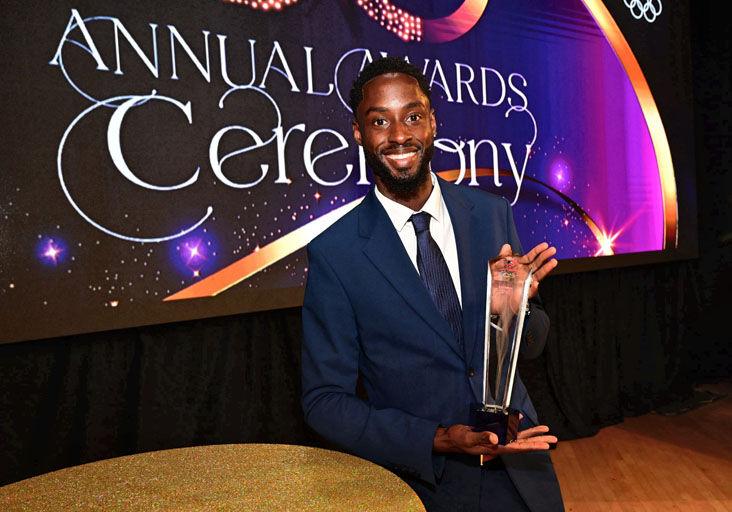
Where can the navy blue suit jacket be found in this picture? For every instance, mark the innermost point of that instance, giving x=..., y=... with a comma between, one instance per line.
x=366, y=312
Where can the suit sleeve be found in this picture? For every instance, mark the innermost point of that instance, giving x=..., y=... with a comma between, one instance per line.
x=536, y=326
x=330, y=361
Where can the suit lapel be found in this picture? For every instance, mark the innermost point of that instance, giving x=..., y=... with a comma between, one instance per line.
x=470, y=258
x=385, y=250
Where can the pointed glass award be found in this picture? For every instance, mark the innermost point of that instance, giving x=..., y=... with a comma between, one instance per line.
x=507, y=294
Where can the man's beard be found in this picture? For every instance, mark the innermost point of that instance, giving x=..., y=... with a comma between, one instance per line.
x=400, y=186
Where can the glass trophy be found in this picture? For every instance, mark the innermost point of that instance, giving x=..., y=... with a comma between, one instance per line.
x=507, y=295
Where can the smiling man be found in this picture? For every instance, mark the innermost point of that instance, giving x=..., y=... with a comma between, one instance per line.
x=395, y=125
x=395, y=297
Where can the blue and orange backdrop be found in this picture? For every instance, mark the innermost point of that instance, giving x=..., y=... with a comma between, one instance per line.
x=171, y=161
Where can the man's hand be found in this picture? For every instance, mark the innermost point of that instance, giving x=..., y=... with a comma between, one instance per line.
x=539, y=259
x=462, y=439
x=529, y=440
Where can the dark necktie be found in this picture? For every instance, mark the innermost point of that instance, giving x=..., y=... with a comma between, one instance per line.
x=436, y=276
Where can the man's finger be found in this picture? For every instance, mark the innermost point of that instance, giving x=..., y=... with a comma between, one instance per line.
x=505, y=251
x=526, y=446
x=484, y=439
x=533, y=431
x=544, y=255
x=490, y=438
x=533, y=253
x=550, y=439
x=545, y=269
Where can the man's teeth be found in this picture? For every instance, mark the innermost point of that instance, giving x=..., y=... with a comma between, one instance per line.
x=401, y=156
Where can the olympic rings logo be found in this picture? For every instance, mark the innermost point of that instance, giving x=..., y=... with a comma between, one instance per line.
x=648, y=9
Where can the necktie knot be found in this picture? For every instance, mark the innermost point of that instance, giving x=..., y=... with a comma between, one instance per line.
x=421, y=222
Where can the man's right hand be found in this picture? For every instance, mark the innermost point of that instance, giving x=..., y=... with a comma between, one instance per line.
x=462, y=439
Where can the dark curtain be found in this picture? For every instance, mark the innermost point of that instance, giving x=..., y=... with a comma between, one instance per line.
x=622, y=342
x=82, y=398
x=617, y=346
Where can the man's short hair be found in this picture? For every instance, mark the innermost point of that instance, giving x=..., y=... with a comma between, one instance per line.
x=384, y=66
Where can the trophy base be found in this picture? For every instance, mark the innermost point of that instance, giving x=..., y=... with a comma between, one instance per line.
x=494, y=419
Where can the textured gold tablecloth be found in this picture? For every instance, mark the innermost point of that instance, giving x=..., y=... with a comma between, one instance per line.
x=257, y=477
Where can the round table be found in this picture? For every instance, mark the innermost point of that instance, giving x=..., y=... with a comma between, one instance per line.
x=257, y=477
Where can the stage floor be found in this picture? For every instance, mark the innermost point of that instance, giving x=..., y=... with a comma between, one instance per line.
x=653, y=463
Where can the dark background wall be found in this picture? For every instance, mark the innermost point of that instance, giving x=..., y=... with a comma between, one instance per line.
x=623, y=342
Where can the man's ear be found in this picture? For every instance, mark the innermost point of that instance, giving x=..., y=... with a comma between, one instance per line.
x=433, y=122
x=356, y=132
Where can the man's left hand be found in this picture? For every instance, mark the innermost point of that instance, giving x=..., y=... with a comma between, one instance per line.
x=539, y=259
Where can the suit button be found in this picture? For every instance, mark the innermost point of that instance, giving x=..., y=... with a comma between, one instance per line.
x=471, y=372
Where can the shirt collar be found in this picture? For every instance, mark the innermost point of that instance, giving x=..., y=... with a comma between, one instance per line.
x=400, y=214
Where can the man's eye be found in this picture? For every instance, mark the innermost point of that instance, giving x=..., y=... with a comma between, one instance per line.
x=380, y=122
x=414, y=117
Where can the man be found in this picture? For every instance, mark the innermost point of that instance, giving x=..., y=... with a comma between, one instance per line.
x=396, y=297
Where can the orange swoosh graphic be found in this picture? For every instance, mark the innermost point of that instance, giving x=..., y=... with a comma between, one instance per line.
x=449, y=28
x=249, y=265
x=650, y=111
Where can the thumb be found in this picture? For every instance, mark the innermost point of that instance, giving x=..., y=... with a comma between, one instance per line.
x=490, y=437
x=505, y=251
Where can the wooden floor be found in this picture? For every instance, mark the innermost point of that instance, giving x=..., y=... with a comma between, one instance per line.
x=652, y=463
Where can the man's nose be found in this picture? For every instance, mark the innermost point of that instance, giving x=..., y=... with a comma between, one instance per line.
x=399, y=133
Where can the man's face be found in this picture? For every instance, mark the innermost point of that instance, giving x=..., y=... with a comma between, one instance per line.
x=395, y=124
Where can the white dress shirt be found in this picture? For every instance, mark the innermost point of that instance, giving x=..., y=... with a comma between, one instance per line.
x=440, y=229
